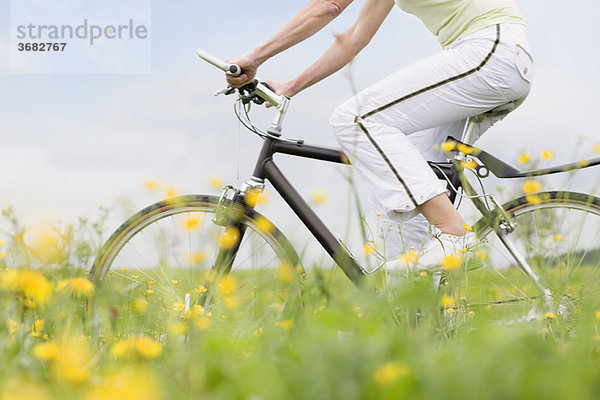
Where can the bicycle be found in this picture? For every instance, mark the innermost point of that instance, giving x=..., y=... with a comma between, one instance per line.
x=163, y=249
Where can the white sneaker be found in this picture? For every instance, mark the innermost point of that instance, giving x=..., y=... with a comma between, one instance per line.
x=445, y=248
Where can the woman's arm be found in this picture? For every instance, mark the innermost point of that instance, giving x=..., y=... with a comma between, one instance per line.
x=311, y=19
x=346, y=46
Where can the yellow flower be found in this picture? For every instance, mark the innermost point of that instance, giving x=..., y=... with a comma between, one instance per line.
x=198, y=310
x=533, y=199
x=38, y=324
x=448, y=146
x=358, y=312
x=4, y=255
x=170, y=192
x=264, y=224
x=471, y=313
x=202, y=323
x=451, y=262
x=228, y=285
x=524, y=158
x=45, y=351
x=174, y=281
x=423, y=274
x=450, y=310
x=199, y=290
x=140, y=306
x=285, y=273
x=197, y=257
x=252, y=198
x=38, y=327
x=2, y=242
x=147, y=347
x=150, y=185
x=72, y=361
x=462, y=251
x=532, y=186
x=78, y=287
x=547, y=154
x=597, y=148
x=31, y=284
x=482, y=255
x=558, y=238
x=263, y=198
x=149, y=291
x=368, y=249
x=448, y=301
x=549, y=316
x=192, y=223
x=131, y=383
x=215, y=182
x=124, y=268
x=389, y=373
x=141, y=346
x=319, y=196
x=178, y=306
x=286, y=325
x=464, y=149
x=229, y=238
x=408, y=258
x=469, y=164
x=468, y=228
x=598, y=315
x=48, y=246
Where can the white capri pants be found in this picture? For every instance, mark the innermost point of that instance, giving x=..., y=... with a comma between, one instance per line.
x=390, y=129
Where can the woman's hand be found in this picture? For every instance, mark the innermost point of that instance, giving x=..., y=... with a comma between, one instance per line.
x=249, y=65
x=281, y=88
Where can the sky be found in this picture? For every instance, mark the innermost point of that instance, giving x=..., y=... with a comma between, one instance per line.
x=74, y=142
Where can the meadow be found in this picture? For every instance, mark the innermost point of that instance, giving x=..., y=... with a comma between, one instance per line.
x=64, y=337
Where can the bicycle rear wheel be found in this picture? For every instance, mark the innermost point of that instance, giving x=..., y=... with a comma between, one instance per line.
x=158, y=267
x=558, y=233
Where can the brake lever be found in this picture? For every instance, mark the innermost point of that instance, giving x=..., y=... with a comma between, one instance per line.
x=226, y=91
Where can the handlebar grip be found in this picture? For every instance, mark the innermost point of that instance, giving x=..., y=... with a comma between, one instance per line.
x=229, y=69
x=234, y=70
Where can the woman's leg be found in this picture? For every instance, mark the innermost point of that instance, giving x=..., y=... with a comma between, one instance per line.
x=439, y=211
x=374, y=127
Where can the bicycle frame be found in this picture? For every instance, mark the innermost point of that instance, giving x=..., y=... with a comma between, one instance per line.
x=267, y=170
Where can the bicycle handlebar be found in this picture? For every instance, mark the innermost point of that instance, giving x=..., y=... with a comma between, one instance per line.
x=261, y=89
x=256, y=88
x=229, y=69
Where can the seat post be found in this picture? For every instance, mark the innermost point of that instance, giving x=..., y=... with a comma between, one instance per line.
x=495, y=114
x=468, y=133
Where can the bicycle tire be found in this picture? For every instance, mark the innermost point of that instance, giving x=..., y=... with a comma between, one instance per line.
x=558, y=233
x=140, y=271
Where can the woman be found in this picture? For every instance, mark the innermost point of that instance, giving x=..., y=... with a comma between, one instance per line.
x=390, y=129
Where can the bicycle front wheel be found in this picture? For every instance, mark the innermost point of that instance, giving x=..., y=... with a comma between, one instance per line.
x=158, y=267
x=558, y=234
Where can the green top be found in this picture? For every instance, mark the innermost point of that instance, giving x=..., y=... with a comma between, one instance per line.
x=451, y=19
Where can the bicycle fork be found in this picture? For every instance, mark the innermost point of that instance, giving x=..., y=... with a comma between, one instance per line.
x=230, y=214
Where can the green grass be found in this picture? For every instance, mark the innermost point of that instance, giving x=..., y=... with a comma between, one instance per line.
x=331, y=340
